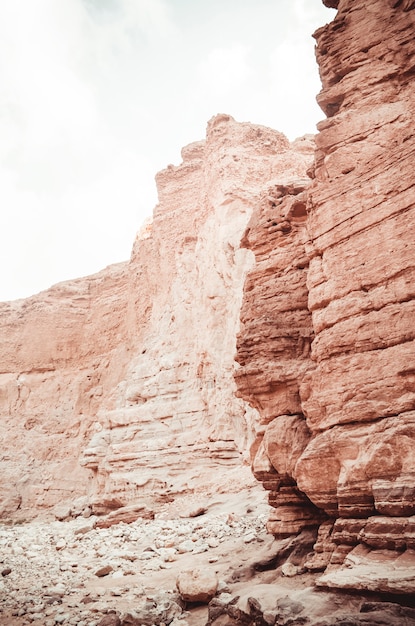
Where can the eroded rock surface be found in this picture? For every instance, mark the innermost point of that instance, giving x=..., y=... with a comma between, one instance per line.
x=76, y=574
x=337, y=419
x=274, y=349
x=117, y=390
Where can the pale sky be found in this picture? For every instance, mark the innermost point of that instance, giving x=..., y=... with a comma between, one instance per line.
x=96, y=96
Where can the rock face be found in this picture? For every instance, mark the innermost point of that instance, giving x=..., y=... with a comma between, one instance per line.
x=274, y=349
x=120, y=391
x=338, y=419
x=60, y=351
x=117, y=390
x=197, y=585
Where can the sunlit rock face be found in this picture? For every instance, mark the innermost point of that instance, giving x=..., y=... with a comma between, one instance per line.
x=338, y=419
x=60, y=352
x=117, y=390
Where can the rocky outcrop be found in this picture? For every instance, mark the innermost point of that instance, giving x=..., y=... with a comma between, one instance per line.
x=361, y=394
x=338, y=420
x=273, y=349
x=117, y=390
x=61, y=351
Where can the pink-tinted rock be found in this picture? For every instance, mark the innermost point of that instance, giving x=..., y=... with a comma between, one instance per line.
x=274, y=357
x=384, y=571
x=359, y=400
x=197, y=585
x=274, y=349
x=59, y=353
x=284, y=441
x=125, y=514
x=352, y=297
x=367, y=468
x=360, y=214
x=323, y=548
x=119, y=387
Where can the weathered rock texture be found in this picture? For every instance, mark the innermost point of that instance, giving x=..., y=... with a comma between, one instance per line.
x=117, y=390
x=274, y=349
x=339, y=419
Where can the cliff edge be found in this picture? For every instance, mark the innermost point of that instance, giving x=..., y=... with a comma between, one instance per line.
x=121, y=393
x=326, y=345
x=116, y=390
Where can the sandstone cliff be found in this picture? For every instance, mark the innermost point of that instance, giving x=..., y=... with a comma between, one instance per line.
x=338, y=420
x=117, y=390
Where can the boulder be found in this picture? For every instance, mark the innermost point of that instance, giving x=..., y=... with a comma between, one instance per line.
x=197, y=585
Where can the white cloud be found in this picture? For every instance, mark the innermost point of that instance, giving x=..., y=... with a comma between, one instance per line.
x=72, y=189
x=224, y=70
x=97, y=95
x=293, y=85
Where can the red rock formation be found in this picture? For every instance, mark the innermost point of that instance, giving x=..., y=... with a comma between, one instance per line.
x=273, y=349
x=354, y=456
x=117, y=390
x=361, y=395
x=60, y=350
x=120, y=387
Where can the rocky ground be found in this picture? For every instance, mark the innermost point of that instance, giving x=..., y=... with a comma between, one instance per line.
x=199, y=561
x=75, y=573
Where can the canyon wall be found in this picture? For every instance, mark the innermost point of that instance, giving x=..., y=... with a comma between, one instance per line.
x=117, y=390
x=336, y=443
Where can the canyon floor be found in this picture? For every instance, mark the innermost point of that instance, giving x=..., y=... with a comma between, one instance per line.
x=74, y=573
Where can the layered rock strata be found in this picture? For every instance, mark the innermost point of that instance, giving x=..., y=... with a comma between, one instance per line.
x=361, y=394
x=273, y=349
x=351, y=451
x=61, y=351
x=117, y=390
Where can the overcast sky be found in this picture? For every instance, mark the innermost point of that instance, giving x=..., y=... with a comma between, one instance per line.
x=96, y=96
